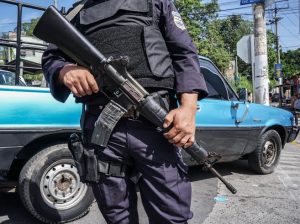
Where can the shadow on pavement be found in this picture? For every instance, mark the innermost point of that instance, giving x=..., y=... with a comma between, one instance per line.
x=12, y=210
x=241, y=167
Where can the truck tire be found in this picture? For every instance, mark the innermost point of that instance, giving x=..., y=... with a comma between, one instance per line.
x=50, y=188
x=266, y=156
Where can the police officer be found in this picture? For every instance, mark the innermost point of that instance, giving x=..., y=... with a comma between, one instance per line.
x=162, y=57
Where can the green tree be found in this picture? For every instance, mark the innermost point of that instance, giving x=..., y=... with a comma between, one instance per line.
x=200, y=20
x=232, y=29
x=196, y=15
x=271, y=37
x=213, y=46
x=291, y=62
x=28, y=27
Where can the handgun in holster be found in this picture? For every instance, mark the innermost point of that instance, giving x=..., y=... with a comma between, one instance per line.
x=85, y=159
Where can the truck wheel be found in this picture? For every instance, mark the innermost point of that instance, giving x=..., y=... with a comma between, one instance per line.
x=266, y=156
x=50, y=188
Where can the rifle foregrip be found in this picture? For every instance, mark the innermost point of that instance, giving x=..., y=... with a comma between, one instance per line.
x=197, y=153
x=152, y=111
x=156, y=114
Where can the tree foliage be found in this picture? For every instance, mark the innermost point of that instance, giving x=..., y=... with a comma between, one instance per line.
x=215, y=38
x=199, y=19
x=28, y=27
x=232, y=29
x=271, y=37
x=291, y=62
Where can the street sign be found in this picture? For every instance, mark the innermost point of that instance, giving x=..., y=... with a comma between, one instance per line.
x=245, y=2
x=278, y=71
x=244, y=46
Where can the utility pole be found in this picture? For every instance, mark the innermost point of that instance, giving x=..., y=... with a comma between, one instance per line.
x=56, y=3
x=276, y=20
x=277, y=71
x=261, y=81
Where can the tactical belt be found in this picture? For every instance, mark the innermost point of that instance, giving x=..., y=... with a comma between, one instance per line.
x=112, y=169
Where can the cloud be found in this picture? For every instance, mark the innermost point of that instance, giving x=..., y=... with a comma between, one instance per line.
x=7, y=21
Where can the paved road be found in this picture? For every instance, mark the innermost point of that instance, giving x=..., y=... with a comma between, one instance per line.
x=205, y=187
x=268, y=199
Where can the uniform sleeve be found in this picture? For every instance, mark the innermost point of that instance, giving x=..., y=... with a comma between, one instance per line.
x=188, y=77
x=53, y=61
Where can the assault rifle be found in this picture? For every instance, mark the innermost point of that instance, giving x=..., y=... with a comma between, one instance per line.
x=127, y=93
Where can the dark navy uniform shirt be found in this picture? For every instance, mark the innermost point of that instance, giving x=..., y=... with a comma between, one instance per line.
x=183, y=52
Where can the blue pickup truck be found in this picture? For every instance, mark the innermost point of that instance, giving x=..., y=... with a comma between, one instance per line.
x=34, y=130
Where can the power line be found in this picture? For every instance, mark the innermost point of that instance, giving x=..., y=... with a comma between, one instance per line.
x=291, y=21
x=298, y=46
x=287, y=29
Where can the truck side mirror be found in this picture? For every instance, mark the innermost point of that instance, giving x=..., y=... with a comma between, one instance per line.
x=243, y=94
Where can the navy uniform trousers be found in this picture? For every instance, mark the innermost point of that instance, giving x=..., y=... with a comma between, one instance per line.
x=164, y=187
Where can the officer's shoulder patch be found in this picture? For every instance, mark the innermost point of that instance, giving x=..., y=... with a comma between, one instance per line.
x=178, y=20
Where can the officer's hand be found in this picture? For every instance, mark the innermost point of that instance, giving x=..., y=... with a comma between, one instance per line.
x=78, y=79
x=182, y=134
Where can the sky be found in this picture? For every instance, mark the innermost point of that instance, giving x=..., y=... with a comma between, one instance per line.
x=8, y=13
x=289, y=34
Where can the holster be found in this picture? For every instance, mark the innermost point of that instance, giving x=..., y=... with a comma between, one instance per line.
x=85, y=160
x=90, y=168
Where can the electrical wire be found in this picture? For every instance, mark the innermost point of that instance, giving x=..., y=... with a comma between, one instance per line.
x=291, y=20
x=287, y=29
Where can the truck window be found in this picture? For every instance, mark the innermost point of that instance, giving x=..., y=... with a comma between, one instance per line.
x=216, y=88
x=216, y=83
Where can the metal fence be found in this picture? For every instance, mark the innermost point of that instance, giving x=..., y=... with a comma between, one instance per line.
x=18, y=44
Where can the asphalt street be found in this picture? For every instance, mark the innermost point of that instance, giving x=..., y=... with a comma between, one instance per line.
x=268, y=199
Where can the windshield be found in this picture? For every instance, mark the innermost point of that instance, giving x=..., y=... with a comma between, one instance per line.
x=8, y=78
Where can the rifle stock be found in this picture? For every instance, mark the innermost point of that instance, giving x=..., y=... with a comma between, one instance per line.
x=56, y=29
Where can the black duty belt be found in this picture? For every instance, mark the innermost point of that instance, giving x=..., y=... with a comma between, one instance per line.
x=112, y=169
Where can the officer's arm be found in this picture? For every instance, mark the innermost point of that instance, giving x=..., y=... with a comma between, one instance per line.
x=182, y=51
x=190, y=84
x=64, y=76
x=53, y=61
